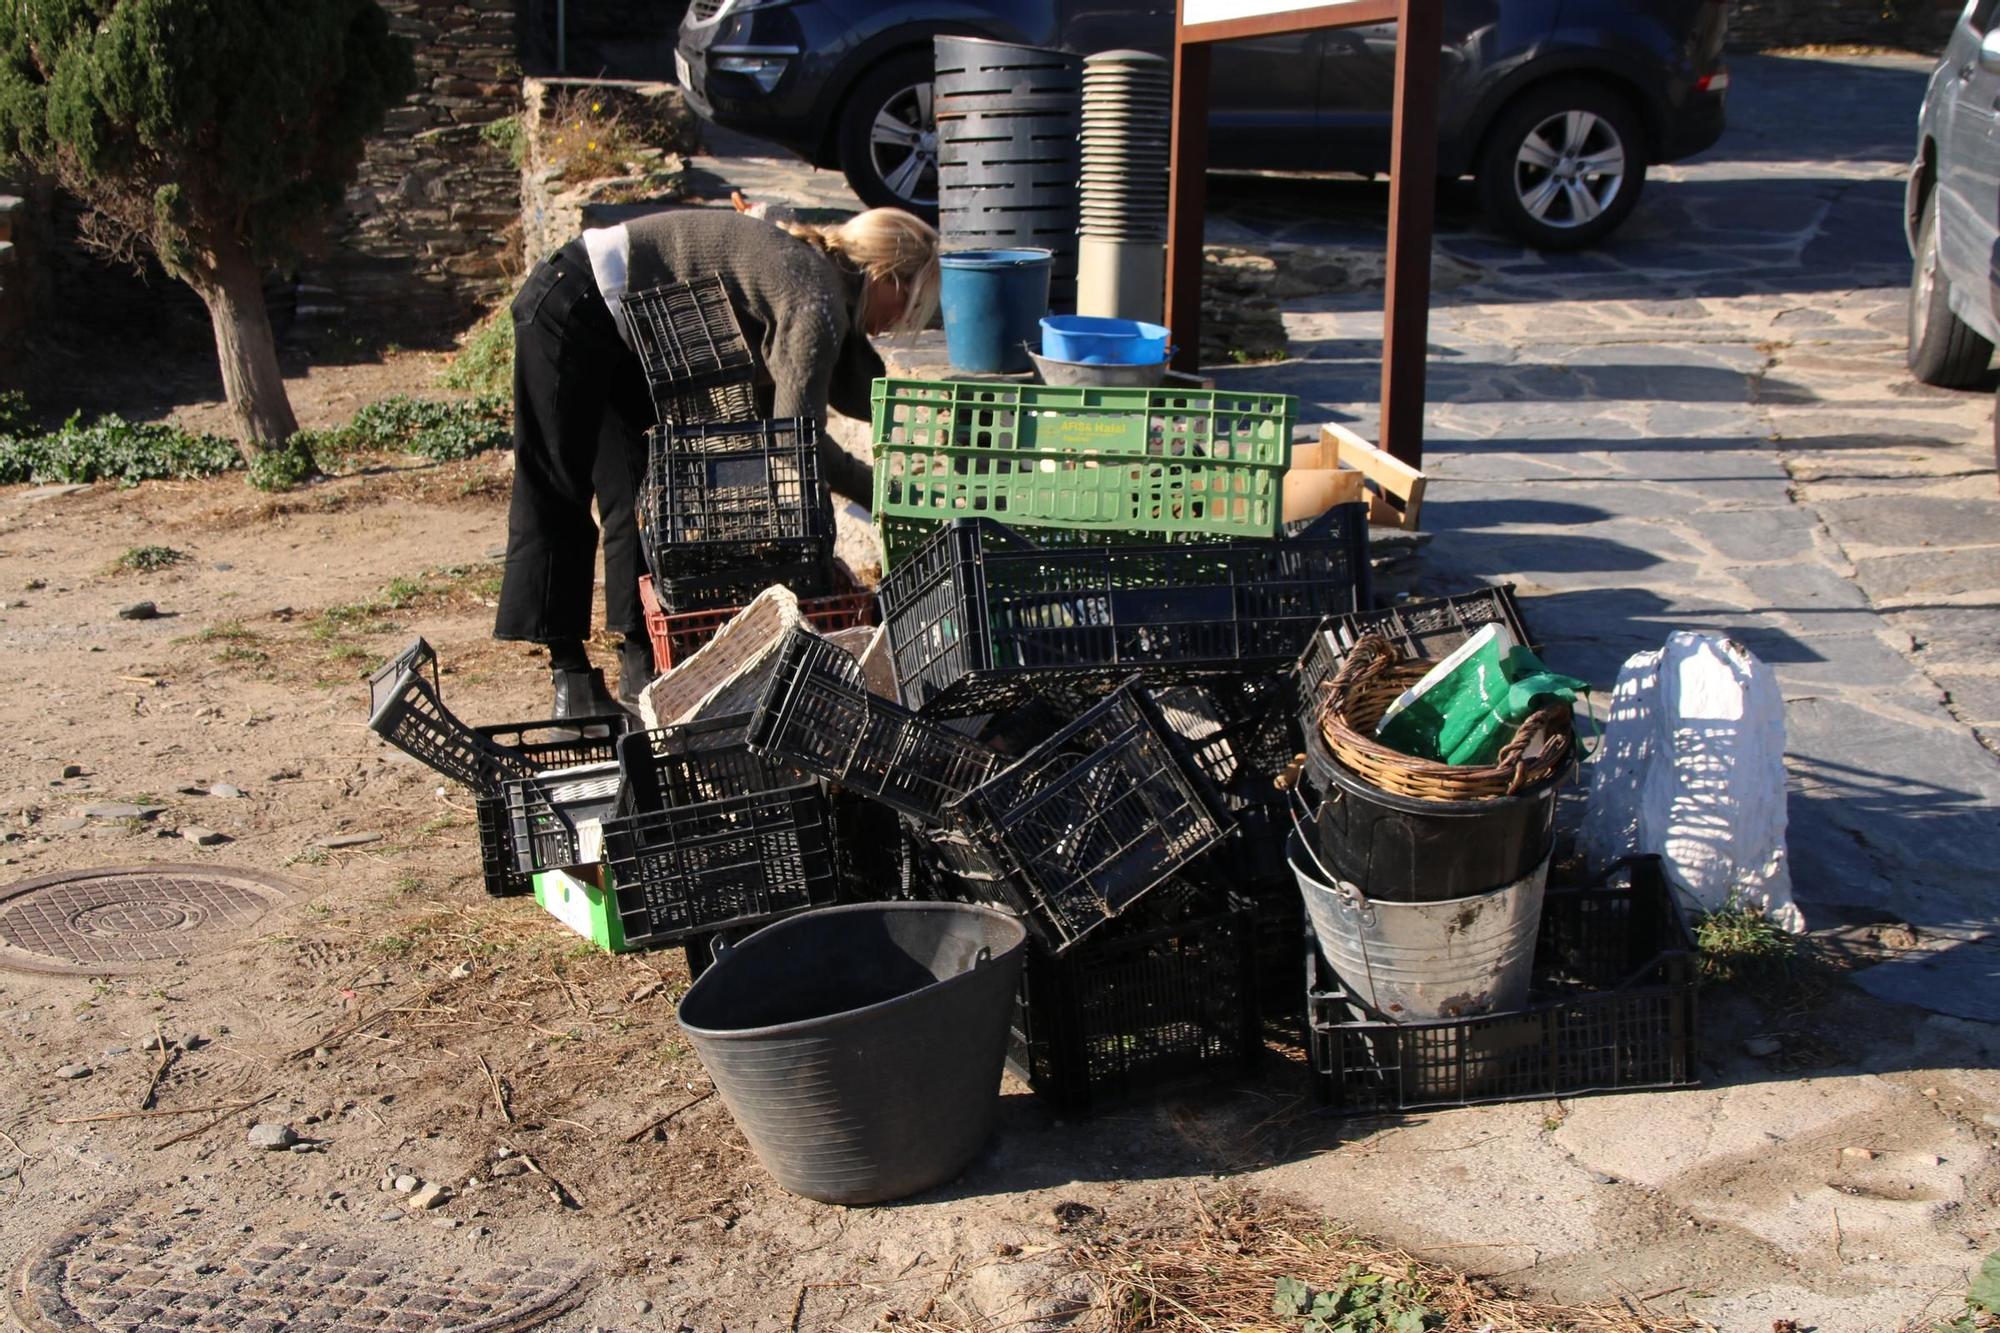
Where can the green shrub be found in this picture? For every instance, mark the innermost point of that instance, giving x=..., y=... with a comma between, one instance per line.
x=16, y=416
x=433, y=429
x=285, y=466
x=114, y=449
x=485, y=363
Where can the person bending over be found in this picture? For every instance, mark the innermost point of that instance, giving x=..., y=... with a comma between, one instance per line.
x=808, y=299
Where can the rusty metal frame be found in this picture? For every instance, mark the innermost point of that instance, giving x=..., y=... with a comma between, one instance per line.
x=1412, y=189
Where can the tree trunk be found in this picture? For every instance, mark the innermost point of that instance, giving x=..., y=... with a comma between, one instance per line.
x=233, y=290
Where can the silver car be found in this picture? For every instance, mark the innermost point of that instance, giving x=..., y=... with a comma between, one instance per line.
x=1953, y=208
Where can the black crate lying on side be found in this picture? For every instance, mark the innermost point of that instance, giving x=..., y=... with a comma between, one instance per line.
x=980, y=616
x=1147, y=1002
x=1614, y=1008
x=1093, y=818
x=711, y=837
x=817, y=712
x=552, y=744
x=406, y=708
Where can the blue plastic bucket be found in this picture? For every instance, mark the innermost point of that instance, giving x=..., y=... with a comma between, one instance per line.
x=991, y=301
x=1095, y=340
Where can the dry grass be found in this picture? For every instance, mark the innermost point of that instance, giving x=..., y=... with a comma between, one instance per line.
x=1217, y=1269
x=588, y=139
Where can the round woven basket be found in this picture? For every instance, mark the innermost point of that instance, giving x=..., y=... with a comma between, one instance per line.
x=1374, y=675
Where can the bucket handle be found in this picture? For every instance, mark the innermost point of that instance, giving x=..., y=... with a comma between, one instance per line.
x=983, y=957
x=1350, y=895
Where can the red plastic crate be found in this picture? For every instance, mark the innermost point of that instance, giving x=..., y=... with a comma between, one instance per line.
x=677, y=637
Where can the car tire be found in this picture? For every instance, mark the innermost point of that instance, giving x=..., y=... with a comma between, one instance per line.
x=1535, y=169
x=878, y=168
x=1944, y=350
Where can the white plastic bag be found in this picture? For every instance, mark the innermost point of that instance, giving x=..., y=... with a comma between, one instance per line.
x=1693, y=768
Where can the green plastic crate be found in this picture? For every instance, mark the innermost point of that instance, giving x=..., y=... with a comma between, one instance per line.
x=1146, y=464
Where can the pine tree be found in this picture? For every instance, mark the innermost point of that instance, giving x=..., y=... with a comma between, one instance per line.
x=219, y=134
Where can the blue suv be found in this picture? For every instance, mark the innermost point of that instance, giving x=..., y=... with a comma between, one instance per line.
x=1555, y=107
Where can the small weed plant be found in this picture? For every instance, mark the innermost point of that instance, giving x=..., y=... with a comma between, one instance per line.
x=1739, y=943
x=588, y=140
x=1982, y=1300
x=508, y=136
x=1358, y=1301
x=147, y=560
x=286, y=466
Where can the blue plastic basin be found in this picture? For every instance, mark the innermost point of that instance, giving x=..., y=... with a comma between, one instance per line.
x=1095, y=340
x=991, y=300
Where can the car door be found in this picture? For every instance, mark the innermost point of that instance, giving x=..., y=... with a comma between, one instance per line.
x=1969, y=168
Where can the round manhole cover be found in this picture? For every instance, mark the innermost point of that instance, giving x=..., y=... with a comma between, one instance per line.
x=138, y=1270
x=124, y=918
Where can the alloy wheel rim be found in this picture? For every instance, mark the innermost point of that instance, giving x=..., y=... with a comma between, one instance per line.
x=1569, y=169
x=902, y=146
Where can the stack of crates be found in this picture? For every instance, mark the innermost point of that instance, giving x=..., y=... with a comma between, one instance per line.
x=731, y=503
x=1090, y=609
x=1612, y=1004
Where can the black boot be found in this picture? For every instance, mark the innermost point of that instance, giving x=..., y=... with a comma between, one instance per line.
x=583, y=694
x=635, y=671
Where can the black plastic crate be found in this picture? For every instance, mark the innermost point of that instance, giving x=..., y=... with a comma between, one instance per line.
x=716, y=489
x=555, y=743
x=711, y=837
x=688, y=337
x=1251, y=870
x=406, y=708
x=1091, y=819
x=980, y=615
x=546, y=813
x=1430, y=628
x=805, y=567
x=1141, y=1005
x=818, y=713
x=1614, y=1008
x=1242, y=733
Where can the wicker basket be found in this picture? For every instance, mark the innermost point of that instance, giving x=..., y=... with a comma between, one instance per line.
x=1374, y=675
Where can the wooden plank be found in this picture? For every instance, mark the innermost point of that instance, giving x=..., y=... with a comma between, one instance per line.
x=1310, y=492
x=1398, y=497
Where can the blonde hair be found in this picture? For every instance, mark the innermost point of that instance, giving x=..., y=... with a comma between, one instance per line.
x=884, y=245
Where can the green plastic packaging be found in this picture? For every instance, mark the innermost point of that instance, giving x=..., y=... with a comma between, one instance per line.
x=1466, y=714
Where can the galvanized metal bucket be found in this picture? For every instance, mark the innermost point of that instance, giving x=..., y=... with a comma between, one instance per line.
x=1416, y=961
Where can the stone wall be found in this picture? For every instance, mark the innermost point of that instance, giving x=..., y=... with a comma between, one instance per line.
x=642, y=132
x=428, y=235
x=1917, y=25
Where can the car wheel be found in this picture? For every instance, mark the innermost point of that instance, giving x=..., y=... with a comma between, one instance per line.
x=888, y=137
x=1563, y=165
x=1943, y=350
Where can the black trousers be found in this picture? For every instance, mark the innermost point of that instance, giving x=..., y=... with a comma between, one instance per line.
x=581, y=412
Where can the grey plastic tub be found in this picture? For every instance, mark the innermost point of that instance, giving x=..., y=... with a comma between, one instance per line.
x=1415, y=961
x=860, y=1047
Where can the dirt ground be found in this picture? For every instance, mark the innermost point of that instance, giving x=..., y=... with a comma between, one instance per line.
x=407, y=1024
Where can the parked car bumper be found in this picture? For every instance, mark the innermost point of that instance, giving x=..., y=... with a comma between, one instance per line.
x=1696, y=127
x=748, y=73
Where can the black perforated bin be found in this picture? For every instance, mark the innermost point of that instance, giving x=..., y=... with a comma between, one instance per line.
x=687, y=336
x=545, y=745
x=1146, y=1003
x=1614, y=1008
x=711, y=836
x=980, y=615
x=720, y=498
x=1091, y=819
x=817, y=713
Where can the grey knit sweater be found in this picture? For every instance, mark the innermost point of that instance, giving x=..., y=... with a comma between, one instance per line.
x=796, y=307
